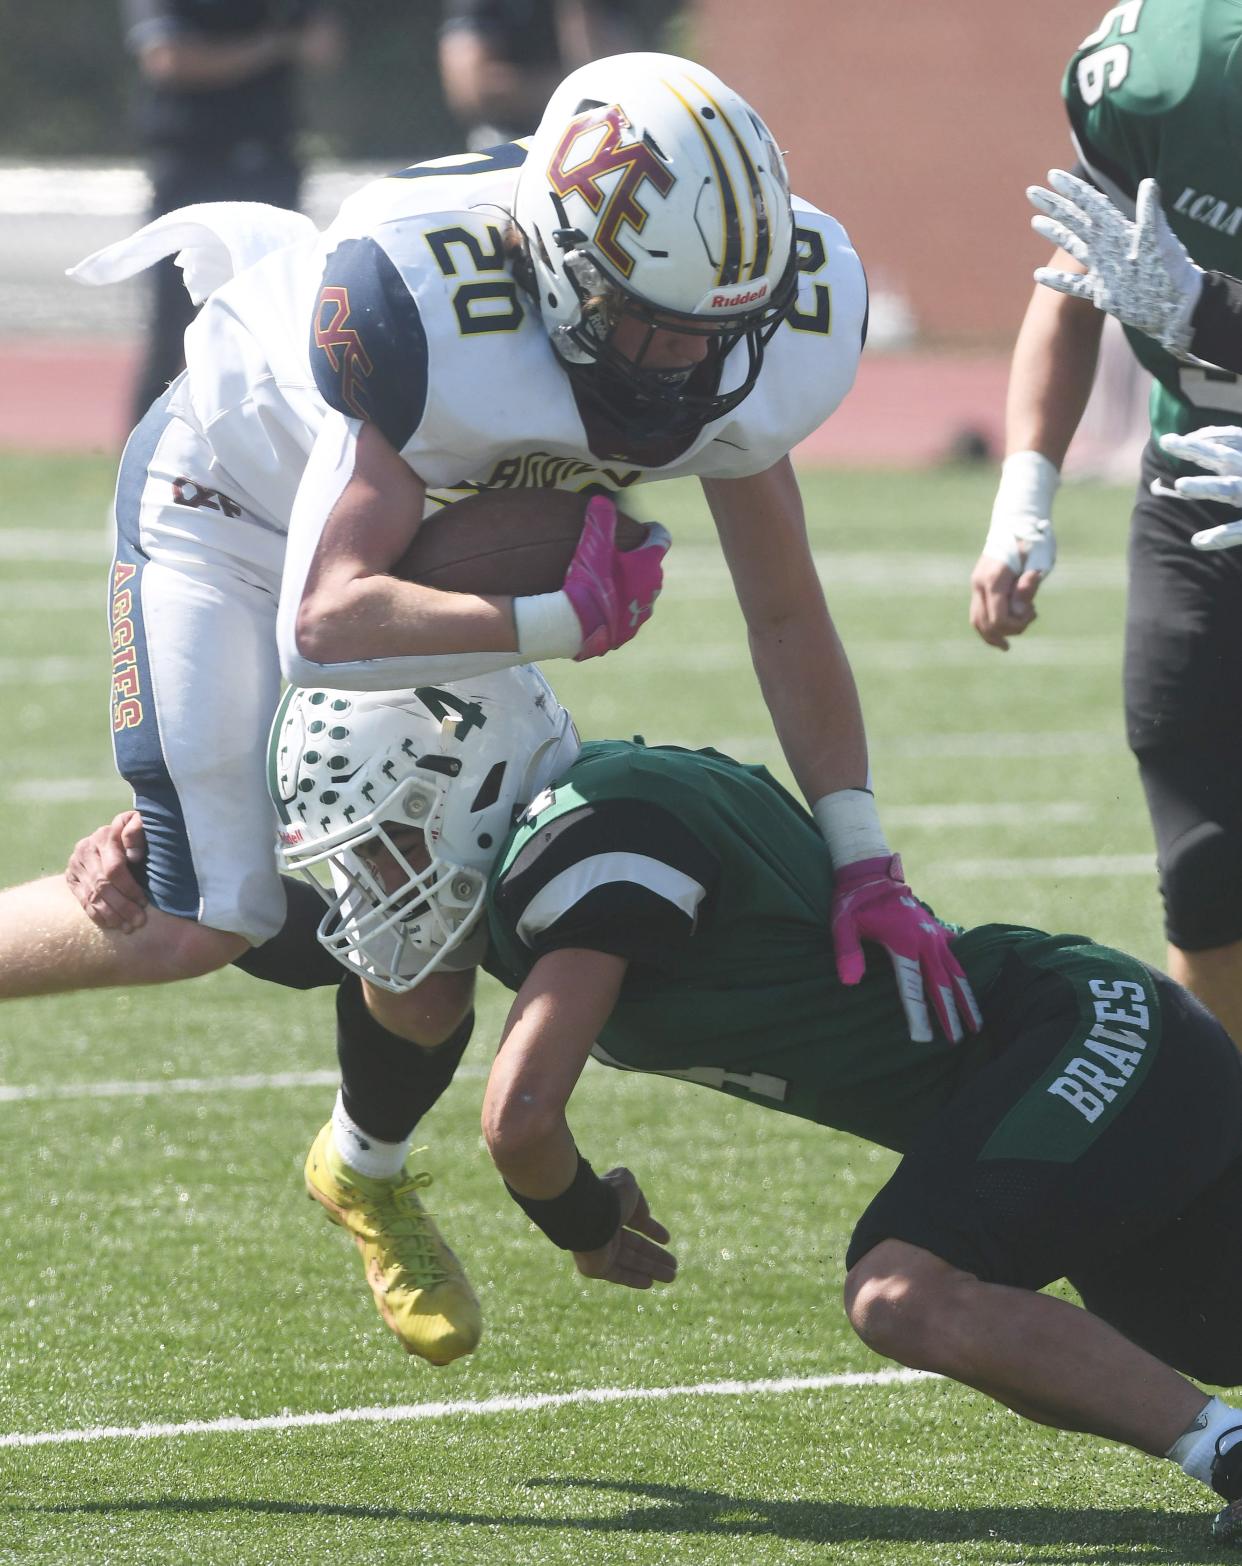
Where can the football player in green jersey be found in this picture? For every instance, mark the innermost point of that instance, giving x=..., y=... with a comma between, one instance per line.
x=1140, y=272
x=1150, y=94
x=662, y=910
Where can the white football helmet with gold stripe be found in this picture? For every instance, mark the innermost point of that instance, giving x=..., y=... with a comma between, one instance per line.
x=652, y=190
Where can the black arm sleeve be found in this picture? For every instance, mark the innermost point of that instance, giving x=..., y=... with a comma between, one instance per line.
x=1217, y=322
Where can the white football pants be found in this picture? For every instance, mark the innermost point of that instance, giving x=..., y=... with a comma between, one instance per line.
x=196, y=679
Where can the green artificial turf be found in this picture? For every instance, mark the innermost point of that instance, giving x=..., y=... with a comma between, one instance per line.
x=159, y=1263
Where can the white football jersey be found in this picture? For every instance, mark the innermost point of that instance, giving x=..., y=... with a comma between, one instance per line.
x=405, y=313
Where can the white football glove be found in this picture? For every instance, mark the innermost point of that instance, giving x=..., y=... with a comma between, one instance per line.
x=1139, y=272
x=1217, y=447
x=1020, y=535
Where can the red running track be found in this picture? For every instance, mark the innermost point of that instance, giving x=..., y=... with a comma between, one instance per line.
x=906, y=410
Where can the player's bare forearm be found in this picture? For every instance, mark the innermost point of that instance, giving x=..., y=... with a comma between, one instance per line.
x=1052, y=369
x=555, y=1018
x=350, y=608
x=346, y=618
x=801, y=665
x=810, y=693
x=566, y=999
x=1049, y=382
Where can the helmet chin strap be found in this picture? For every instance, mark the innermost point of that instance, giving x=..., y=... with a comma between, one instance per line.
x=643, y=412
x=567, y=347
x=638, y=394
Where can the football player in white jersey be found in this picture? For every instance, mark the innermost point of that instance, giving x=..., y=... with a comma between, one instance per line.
x=633, y=295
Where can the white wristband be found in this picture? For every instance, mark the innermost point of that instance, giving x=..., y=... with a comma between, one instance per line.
x=1028, y=485
x=1020, y=533
x=850, y=825
x=547, y=626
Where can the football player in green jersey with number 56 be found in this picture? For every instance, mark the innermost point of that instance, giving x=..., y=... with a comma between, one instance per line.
x=1152, y=93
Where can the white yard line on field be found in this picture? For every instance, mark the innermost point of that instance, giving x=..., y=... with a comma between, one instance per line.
x=695, y=570
x=123, y=190
x=40, y=597
x=1037, y=745
x=905, y=655
x=951, y=745
x=1065, y=867
x=16, y=672
x=909, y=656
x=933, y=814
x=26, y=1093
x=968, y=815
x=57, y=791
x=156, y=1087
x=32, y=543
x=402, y=1413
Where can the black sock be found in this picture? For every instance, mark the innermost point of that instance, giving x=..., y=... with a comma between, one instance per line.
x=388, y=1083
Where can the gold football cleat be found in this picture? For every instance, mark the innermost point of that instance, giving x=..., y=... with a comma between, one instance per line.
x=420, y=1288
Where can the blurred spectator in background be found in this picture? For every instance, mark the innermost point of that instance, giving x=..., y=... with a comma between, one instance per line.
x=217, y=116
x=500, y=59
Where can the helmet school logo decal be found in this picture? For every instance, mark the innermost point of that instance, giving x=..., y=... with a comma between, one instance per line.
x=351, y=363
x=578, y=172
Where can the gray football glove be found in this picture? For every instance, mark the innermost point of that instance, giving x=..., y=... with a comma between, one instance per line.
x=1138, y=271
x=1217, y=447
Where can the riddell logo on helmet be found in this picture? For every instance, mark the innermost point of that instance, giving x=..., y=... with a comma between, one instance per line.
x=735, y=301
x=290, y=837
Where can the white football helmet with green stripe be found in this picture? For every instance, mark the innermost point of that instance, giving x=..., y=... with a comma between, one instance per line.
x=394, y=804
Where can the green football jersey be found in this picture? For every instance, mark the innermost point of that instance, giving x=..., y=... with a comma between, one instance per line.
x=715, y=884
x=1156, y=90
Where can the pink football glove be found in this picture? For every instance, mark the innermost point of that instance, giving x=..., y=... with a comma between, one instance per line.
x=613, y=591
x=871, y=902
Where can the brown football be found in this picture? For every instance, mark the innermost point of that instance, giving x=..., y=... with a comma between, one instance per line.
x=515, y=541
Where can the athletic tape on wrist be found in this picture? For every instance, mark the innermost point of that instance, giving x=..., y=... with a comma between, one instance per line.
x=584, y=1217
x=547, y=626
x=1020, y=531
x=1028, y=485
x=850, y=825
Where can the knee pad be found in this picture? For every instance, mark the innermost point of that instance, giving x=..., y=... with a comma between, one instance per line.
x=1201, y=883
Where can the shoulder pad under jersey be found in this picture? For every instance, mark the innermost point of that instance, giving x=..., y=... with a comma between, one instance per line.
x=1150, y=72
x=368, y=347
